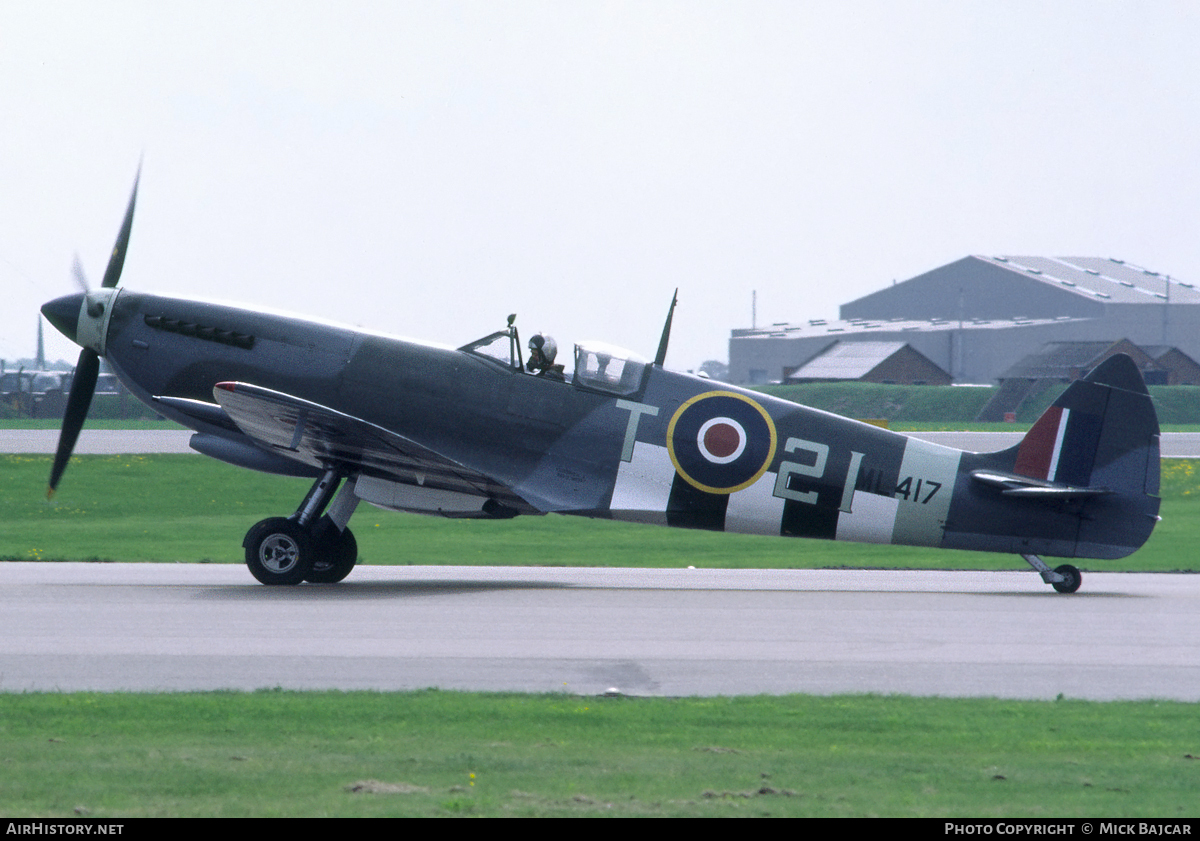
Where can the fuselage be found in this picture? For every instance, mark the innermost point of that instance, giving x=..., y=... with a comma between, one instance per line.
x=657, y=446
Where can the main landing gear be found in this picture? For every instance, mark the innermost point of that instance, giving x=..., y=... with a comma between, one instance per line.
x=1064, y=579
x=309, y=545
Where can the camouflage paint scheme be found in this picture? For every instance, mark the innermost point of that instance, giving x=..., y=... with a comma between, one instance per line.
x=661, y=447
x=472, y=432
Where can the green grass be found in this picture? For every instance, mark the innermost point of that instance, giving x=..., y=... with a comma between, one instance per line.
x=904, y=407
x=893, y=402
x=184, y=508
x=899, y=425
x=17, y=408
x=990, y=426
x=414, y=754
x=56, y=423
x=436, y=753
x=956, y=407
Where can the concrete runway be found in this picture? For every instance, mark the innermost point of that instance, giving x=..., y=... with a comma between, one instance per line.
x=151, y=627
x=113, y=442
x=98, y=441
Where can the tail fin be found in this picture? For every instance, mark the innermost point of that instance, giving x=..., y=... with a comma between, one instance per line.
x=1099, y=422
x=1100, y=438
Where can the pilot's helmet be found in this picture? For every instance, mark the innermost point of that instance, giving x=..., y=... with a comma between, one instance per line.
x=545, y=345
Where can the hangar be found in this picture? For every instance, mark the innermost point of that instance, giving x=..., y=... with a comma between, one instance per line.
x=978, y=317
x=869, y=362
x=1063, y=362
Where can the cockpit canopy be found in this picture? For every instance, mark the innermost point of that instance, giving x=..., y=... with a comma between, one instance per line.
x=500, y=346
x=598, y=366
x=603, y=367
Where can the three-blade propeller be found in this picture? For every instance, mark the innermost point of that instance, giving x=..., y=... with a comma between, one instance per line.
x=87, y=369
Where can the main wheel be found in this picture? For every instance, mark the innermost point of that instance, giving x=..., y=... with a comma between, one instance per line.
x=336, y=553
x=1072, y=578
x=279, y=551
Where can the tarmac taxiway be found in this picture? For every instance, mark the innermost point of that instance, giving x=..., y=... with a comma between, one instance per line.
x=171, y=627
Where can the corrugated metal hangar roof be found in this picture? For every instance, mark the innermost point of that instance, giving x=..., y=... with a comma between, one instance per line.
x=833, y=328
x=848, y=360
x=1105, y=278
x=978, y=316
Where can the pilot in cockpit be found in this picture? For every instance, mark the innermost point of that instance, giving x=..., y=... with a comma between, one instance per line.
x=542, y=350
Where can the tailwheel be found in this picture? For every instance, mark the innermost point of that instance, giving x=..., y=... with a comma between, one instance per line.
x=1064, y=579
x=1071, y=579
x=279, y=551
x=336, y=553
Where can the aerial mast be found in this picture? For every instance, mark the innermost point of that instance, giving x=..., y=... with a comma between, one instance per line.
x=660, y=358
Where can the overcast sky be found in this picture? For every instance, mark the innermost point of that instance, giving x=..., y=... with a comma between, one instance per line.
x=426, y=168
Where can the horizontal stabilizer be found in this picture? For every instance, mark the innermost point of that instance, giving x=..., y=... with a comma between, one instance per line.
x=1012, y=484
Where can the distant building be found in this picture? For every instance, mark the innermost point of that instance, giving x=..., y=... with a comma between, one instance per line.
x=1062, y=362
x=1069, y=361
x=977, y=317
x=1180, y=368
x=870, y=362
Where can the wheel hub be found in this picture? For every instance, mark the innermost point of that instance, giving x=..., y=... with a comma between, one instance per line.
x=279, y=553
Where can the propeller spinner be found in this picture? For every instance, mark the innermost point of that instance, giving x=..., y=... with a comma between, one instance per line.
x=82, y=318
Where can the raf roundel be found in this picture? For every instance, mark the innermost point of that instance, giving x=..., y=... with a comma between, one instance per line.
x=721, y=442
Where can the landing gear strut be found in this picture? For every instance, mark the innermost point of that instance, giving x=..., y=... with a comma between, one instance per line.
x=308, y=546
x=1064, y=579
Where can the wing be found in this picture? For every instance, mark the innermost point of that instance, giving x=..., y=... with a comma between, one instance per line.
x=326, y=438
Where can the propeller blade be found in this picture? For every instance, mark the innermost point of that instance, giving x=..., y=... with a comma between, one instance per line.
x=117, y=261
x=80, y=278
x=78, y=402
x=87, y=371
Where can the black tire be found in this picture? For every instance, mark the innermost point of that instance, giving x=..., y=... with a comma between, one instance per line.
x=336, y=553
x=279, y=551
x=1072, y=578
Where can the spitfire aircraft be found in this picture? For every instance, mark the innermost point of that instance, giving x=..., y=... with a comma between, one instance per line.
x=480, y=432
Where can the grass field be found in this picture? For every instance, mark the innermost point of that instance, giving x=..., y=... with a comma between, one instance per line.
x=443, y=754
x=182, y=508
x=956, y=405
x=898, y=426
x=447, y=753
x=49, y=423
